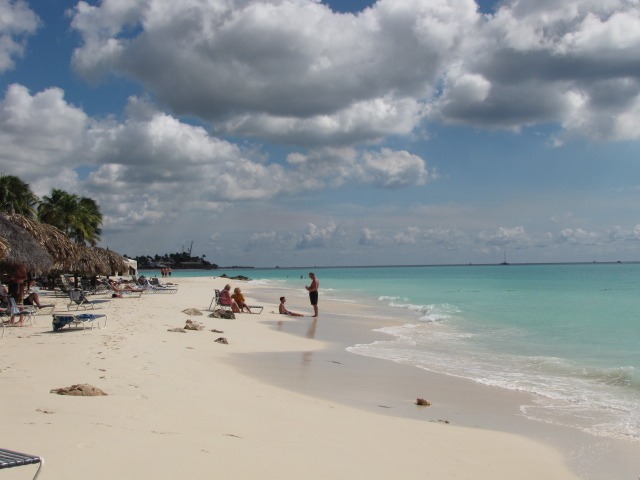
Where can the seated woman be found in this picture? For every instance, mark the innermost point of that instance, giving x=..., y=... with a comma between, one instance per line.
x=238, y=297
x=225, y=299
x=283, y=310
x=32, y=297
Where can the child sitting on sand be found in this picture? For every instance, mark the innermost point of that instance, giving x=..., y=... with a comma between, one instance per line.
x=283, y=310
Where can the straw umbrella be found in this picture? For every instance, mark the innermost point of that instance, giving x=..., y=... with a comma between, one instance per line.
x=67, y=255
x=90, y=262
x=18, y=247
x=116, y=262
x=63, y=250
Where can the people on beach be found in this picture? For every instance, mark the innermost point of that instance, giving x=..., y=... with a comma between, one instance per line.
x=225, y=299
x=32, y=297
x=313, y=293
x=119, y=288
x=14, y=295
x=238, y=297
x=283, y=310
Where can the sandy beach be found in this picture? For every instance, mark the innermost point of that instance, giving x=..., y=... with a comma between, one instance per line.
x=278, y=401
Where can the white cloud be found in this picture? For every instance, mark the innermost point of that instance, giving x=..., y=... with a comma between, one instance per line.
x=390, y=169
x=280, y=70
x=371, y=237
x=17, y=21
x=503, y=236
x=42, y=137
x=578, y=236
x=571, y=63
x=318, y=237
x=151, y=166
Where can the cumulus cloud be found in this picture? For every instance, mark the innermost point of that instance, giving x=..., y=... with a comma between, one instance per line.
x=578, y=236
x=371, y=237
x=42, y=137
x=503, y=236
x=441, y=238
x=384, y=168
x=17, y=22
x=138, y=168
x=533, y=62
x=317, y=237
x=279, y=70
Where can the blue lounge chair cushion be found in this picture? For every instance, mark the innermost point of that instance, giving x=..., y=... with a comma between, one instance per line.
x=60, y=321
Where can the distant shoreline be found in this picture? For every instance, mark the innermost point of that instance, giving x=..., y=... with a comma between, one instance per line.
x=515, y=264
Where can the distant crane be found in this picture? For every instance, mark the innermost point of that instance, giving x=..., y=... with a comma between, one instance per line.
x=190, y=248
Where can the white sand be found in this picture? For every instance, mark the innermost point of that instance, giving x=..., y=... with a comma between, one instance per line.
x=178, y=408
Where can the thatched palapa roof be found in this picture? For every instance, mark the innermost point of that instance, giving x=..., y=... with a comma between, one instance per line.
x=67, y=255
x=63, y=250
x=116, y=262
x=19, y=247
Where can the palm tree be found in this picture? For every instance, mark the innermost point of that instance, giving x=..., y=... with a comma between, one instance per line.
x=78, y=217
x=16, y=196
x=88, y=229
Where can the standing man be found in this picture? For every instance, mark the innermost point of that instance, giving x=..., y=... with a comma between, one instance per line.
x=313, y=293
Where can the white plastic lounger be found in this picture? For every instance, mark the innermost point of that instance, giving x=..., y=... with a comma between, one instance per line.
x=148, y=287
x=78, y=300
x=61, y=320
x=10, y=459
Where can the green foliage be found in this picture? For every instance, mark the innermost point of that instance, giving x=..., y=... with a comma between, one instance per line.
x=78, y=217
x=173, y=260
x=16, y=196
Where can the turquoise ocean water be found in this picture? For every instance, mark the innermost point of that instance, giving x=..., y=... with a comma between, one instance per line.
x=567, y=333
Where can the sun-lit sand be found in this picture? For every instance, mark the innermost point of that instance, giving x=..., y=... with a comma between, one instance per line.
x=179, y=406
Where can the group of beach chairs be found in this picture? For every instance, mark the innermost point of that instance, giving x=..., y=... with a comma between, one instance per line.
x=82, y=298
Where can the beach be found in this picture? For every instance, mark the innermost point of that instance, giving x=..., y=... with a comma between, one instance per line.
x=283, y=399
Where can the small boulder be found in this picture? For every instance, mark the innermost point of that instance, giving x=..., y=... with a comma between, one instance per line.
x=192, y=311
x=80, y=390
x=191, y=325
x=222, y=340
x=422, y=402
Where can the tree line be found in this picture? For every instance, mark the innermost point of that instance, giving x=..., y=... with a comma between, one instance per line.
x=174, y=260
x=78, y=217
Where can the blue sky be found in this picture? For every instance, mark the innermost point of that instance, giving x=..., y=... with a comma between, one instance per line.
x=296, y=133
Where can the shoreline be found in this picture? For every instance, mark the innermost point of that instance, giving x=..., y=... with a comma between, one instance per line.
x=395, y=387
x=198, y=406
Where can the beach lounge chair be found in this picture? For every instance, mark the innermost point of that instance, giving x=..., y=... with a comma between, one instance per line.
x=215, y=302
x=61, y=320
x=79, y=300
x=156, y=282
x=10, y=459
x=150, y=288
x=15, y=310
x=121, y=292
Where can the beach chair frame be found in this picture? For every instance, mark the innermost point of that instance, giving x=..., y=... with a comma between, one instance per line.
x=79, y=300
x=61, y=320
x=11, y=459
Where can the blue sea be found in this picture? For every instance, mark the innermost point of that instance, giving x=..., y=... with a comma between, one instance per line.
x=567, y=333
